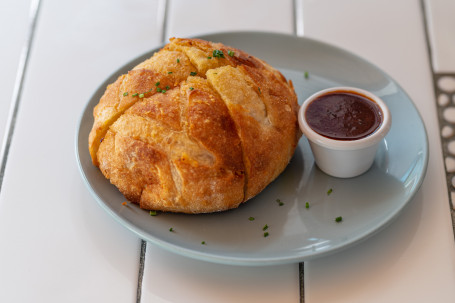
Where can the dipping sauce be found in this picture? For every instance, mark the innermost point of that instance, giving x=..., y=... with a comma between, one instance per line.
x=343, y=115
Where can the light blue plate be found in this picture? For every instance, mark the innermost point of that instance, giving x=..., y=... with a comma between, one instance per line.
x=366, y=203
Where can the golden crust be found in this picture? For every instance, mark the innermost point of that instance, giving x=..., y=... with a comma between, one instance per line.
x=186, y=131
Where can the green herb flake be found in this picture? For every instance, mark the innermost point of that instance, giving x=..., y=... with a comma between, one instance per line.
x=209, y=57
x=125, y=94
x=152, y=213
x=168, y=87
x=191, y=88
x=329, y=191
x=251, y=218
x=203, y=242
x=169, y=73
x=157, y=83
x=141, y=96
x=158, y=89
x=163, y=91
x=193, y=73
x=171, y=229
x=338, y=219
x=280, y=203
x=259, y=90
x=307, y=205
x=306, y=75
x=178, y=60
x=217, y=53
x=134, y=95
x=266, y=234
x=230, y=53
x=265, y=227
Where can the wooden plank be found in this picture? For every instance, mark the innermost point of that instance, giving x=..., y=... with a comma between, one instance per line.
x=412, y=260
x=57, y=244
x=190, y=18
x=169, y=277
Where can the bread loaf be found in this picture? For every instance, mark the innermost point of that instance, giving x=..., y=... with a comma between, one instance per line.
x=199, y=127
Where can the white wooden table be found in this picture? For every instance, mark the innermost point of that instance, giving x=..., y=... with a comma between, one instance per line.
x=58, y=245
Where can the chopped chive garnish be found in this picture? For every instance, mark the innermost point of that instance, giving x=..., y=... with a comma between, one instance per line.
x=265, y=227
x=203, y=242
x=306, y=75
x=169, y=72
x=217, y=53
x=163, y=91
x=158, y=89
x=230, y=53
x=338, y=219
x=251, y=218
x=157, y=83
x=168, y=87
x=280, y=203
x=191, y=88
x=266, y=234
x=178, y=60
x=125, y=94
x=141, y=96
x=153, y=213
x=209, y=58
x=134, y=95
x=329, y=192
x=193, y=73
x=307, y=205
x=171, y=229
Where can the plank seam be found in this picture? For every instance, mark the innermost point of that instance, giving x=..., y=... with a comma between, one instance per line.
x=18, y=86
x=141, y=271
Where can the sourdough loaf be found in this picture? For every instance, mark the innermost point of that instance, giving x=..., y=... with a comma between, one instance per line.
x=199, y=127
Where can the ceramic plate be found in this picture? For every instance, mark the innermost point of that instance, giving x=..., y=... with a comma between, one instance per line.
x=366, y=203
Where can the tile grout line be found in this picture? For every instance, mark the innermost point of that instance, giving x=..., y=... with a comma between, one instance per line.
x=299, y=30
x=17, y=90
x=162, y=25
x=437, y=92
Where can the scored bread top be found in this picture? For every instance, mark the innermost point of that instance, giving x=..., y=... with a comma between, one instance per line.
x=199, y=127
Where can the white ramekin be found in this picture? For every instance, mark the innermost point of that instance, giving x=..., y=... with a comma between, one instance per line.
x=345, y=158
